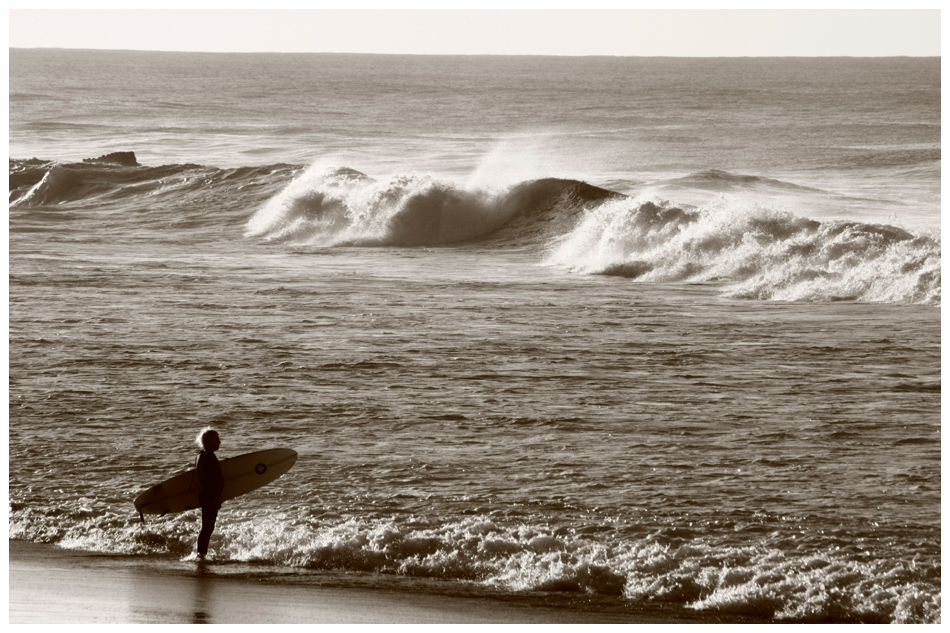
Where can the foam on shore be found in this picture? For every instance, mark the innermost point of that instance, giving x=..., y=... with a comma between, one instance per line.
x=52, y=585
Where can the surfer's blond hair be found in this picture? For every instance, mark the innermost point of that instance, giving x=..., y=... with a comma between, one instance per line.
x=202, y=434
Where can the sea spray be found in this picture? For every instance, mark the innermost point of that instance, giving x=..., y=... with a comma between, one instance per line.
x=464, y=416
x=704, y=573
x=341, y=206
x=758, y=252
x=333, y=206
x=752, y=248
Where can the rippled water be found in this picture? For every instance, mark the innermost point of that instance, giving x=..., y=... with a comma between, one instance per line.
x=731, y=406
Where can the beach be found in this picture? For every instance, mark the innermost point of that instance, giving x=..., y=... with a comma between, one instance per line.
x=51, y=586
x=554, y=339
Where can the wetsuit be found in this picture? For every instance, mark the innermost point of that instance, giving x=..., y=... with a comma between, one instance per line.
x=212, y=484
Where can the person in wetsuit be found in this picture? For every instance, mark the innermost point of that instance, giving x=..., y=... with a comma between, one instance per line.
x=212, y=485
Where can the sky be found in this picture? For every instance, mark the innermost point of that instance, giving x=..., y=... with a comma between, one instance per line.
x=689, y=32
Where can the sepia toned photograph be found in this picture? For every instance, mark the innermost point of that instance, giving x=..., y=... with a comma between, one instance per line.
x=474, y=316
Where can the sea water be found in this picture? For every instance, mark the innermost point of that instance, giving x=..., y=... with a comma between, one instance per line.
x=656, y=331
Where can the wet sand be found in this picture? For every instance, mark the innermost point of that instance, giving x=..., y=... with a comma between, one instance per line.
x=54, y=585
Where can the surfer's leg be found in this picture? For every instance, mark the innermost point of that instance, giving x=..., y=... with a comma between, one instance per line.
x=208, y=516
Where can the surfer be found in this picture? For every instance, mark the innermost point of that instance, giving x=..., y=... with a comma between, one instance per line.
x=212, y=484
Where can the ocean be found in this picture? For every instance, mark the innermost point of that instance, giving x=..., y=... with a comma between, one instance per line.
x=647, y=332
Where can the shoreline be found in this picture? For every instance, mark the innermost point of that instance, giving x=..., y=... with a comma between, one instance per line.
x=53, y=585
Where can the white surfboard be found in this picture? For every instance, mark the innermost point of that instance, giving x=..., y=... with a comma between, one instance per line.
x=242, y=474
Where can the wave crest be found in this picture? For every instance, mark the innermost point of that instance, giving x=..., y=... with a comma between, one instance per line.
x=814, y=584
x=760, y=253
x=39, y=183
x=757, y=252
x=326, y=207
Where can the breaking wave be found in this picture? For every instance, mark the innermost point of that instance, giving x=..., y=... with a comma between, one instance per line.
x=330, y=207
x=41, y=183
x=757, y=578
x=754, y=251
x=757, y=252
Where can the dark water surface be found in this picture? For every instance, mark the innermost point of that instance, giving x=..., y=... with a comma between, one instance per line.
x=654, y=331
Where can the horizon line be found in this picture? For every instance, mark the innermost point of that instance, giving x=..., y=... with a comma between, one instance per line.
x=208, y=52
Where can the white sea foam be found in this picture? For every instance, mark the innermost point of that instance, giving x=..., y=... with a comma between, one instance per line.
x=340, y=206
x=758, y=251
x=755, y=579
x=579, y=434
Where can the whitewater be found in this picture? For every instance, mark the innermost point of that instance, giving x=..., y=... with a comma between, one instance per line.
x=649, y=331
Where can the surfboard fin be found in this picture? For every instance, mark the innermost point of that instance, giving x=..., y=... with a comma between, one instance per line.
x=142, y=516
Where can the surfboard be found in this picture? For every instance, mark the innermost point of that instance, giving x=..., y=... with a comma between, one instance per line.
x=242, y=474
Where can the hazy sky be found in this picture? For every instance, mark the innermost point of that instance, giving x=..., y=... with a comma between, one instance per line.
x=545, y=32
